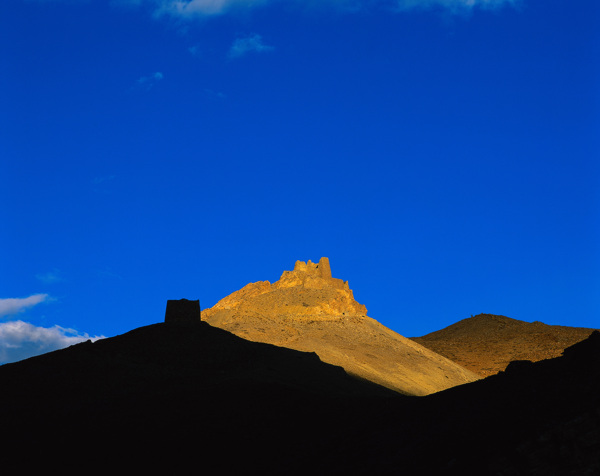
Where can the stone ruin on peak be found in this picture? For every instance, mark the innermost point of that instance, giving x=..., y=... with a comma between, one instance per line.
x=322, y=268
x=308, y=290
x=309, y=310
x=313, y=275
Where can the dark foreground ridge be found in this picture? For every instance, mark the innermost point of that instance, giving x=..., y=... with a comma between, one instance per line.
x=169, y=397
x=163, y=395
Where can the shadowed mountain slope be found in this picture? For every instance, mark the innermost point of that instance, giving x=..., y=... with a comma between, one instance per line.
x=485, y=344
x=170, y=396
x=536, y=418
x=308, y=310
x=161, y=394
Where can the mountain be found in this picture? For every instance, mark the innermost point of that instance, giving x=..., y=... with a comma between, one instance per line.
x=176, y=396
x=535, y=418
x=486, y=344
x=163, y=394
x=309, y=310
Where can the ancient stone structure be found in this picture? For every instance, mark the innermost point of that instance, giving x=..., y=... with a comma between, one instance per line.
x=309, y=310
x=313, y=275
x=182, y=311
x=308, y=290
x=321, y=269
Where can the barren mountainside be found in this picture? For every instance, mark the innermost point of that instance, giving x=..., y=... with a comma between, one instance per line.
x=486, y=343
x=165, y=397
x=309, y=310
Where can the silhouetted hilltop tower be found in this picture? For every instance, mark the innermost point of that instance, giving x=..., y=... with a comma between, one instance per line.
x=182, y=311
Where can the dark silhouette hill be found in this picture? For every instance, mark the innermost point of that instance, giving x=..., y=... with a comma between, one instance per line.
x=171, y=397
x=536, y=418
x=486, y=343
x=160, y=394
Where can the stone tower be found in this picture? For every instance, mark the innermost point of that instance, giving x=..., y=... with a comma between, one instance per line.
x=324, y=268
x=182, y=311
x=321, y=269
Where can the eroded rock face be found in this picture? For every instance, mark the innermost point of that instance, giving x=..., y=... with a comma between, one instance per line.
x=309, y=310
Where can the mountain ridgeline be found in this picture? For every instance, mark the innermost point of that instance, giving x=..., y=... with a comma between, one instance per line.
x=486, y=344
x=309, y=310
x=167, y=396
x=339, y=394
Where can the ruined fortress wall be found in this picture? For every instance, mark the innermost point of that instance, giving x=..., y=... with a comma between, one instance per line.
x=321, y=269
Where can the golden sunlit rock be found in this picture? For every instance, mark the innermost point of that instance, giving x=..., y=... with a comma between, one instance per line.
x=309, y=310
x=486, y=343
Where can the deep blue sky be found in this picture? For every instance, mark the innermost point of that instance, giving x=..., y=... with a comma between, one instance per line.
x=446, y=158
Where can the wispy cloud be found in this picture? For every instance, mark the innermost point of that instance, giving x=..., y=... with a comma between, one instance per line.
x=201, y=8
x=214, y=94
x=20, y=340
x=453, y=5
x=147, y=82
x=10, y=306
x=107, y=273
x=103, y=184
x=190, y=9
x=50, y=277
x=195, y=51
x=250, y=44
x=102, y=179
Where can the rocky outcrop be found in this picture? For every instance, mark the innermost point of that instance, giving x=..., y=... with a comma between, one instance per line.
x=308, y=290
x=309, y=310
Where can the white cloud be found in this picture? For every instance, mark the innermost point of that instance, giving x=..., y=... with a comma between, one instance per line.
x=196, y=8
x=105, y=178
x=107, y=273
x=188, y=9
x=50, y=277
x=453, y=5
x=11, y=306
x=126, y=3
x=20, y=340
x=147, y=82
x=195, y=51
x=76, y=2
x=249, y=44
x=215, y=94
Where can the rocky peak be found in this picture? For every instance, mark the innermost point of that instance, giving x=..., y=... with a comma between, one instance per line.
x=309, y=310
x=311, y=275
x=308, y=289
